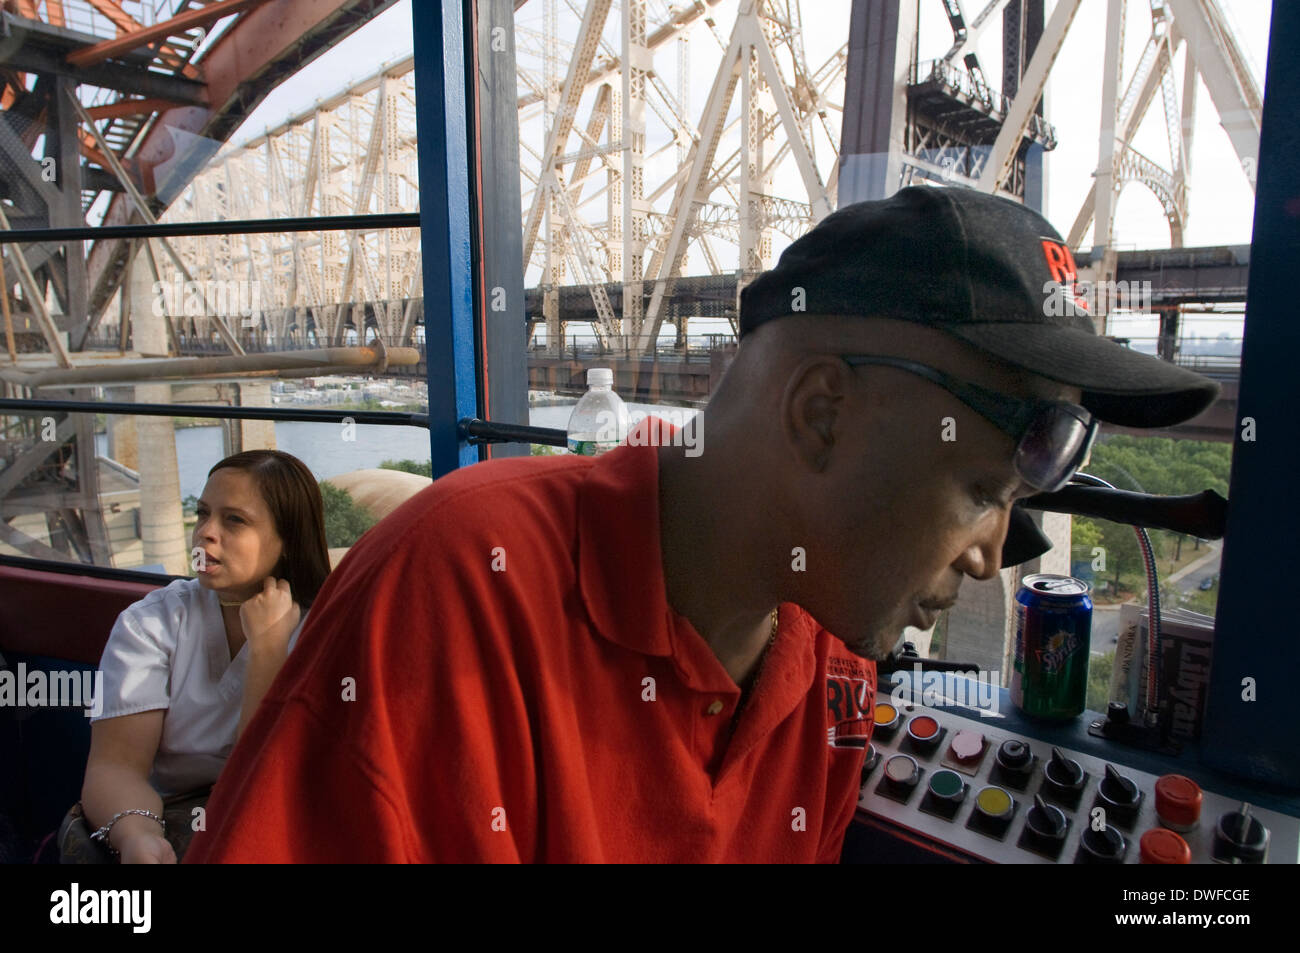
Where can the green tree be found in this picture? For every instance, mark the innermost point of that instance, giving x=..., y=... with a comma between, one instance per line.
x=345, y=519
x=1085, y=536
x=1123, y=555
x=419, y=468
x=542, y=450
x=1217, y=459
x=1099, y=669
x=1154, y=465
x=1161, y=465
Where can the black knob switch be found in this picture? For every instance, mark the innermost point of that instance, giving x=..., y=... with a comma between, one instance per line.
x=1240, y=838
x=1014, y=755
x=1063, y=778
x=1118, y=796
x=1105, y=846
x=1013, y=765
x=1045, y=827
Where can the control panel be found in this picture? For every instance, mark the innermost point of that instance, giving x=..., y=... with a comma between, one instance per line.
x=1003, y=798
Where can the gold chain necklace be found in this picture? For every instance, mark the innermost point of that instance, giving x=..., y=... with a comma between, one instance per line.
x=745, y=695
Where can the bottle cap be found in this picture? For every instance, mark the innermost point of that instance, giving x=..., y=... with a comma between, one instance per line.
x=600, y=377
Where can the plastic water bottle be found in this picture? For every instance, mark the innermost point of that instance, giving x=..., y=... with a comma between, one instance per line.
x=599, y=421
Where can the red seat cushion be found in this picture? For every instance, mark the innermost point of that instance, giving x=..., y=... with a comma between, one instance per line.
x=60, y=614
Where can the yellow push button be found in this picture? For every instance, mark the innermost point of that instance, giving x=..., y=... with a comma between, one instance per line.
x=994, y=803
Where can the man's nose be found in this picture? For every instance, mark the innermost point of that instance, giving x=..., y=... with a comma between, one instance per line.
x=983, y=557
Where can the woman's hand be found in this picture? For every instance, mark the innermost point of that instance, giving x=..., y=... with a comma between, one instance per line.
x=269, y=618
x=147, y=848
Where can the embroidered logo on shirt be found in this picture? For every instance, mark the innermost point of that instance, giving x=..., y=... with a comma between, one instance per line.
x=850, y=703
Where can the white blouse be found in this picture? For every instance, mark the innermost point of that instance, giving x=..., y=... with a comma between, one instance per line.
x=169, y=650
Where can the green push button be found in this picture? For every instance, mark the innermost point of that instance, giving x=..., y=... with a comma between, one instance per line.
x=947, y=791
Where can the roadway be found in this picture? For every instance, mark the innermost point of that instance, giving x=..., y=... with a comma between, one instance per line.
x=1105, y=619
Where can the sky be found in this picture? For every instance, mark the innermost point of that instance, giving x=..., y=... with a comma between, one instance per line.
x=1221, y=201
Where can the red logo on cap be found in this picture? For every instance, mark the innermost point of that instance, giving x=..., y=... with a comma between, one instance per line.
x=1061, y=265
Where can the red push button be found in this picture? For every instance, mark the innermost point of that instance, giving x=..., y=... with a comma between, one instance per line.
x=923, y=728
x=1178, y=802
x=1160, y=846
x=925, y=734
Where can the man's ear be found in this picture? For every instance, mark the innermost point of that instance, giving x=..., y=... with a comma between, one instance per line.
x=811, y=406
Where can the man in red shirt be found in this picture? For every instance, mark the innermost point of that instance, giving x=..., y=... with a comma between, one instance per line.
x=631, y=658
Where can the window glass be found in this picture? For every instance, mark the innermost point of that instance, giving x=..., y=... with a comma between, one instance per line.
x=330, y=318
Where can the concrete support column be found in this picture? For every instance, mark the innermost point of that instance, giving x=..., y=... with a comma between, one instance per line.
x=123, y=443
x=255, y=434
x=162, y=528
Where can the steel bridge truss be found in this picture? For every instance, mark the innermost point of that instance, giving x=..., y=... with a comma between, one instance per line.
x=596, y=122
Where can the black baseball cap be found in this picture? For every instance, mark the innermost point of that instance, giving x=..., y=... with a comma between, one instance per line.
x=987, y=270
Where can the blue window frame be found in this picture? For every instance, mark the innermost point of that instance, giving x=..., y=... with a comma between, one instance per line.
x=447, y=198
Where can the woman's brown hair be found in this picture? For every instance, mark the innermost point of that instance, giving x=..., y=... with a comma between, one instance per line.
x=293, y=497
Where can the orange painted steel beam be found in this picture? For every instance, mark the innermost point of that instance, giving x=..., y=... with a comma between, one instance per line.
x=90, y=149
x=127, y=24
x=191, y=19
x=129, y=107
x=124, y=22
x=54, y=10
x=260, y=42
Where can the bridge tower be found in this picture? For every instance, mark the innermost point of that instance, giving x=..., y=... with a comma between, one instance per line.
x=940, y=120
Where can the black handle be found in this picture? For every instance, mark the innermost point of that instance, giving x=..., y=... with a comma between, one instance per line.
x=1203, y=514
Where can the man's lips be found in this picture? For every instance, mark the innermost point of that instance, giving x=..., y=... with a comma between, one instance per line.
x=925, y=614
x=923, y=618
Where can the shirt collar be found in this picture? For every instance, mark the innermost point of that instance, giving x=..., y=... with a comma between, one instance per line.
x=620, y=570
x=620, y=566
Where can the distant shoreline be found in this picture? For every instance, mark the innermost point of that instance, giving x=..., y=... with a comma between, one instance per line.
x=187, y=423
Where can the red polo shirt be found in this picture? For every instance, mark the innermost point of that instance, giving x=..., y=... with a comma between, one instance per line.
x=494, y=673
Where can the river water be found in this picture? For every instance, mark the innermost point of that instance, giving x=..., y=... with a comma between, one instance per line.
x=326, y=454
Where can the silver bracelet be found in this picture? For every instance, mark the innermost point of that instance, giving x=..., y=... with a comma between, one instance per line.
x=102, y=833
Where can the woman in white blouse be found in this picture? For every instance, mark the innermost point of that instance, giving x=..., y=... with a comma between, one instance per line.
x=186, y=666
